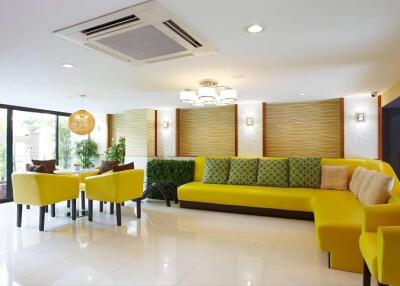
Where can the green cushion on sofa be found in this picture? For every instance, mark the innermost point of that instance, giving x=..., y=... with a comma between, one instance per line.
x=243, y=171
x=273, y=173
x=216, y=170
x=305, y=172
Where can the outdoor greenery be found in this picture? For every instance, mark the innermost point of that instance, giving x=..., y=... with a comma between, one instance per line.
x=65, y=146
x=2, y=162
x=86, y=152
x=117, y=151
x=178, y=172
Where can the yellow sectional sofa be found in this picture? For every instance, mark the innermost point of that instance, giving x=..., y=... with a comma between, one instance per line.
x=338, y=215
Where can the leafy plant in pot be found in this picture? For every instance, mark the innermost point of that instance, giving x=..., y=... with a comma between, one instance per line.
x=117, y=151
x=86, y=152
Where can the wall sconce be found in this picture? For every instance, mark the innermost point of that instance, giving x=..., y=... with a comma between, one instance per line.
x=165, y=124
x=249, y=121
x=360, y=116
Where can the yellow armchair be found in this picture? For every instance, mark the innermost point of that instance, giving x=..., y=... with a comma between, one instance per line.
x=41, y=190
x=115, y=188
x=380, y=244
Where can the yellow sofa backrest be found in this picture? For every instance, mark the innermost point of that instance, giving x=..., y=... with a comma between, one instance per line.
x=376, y=165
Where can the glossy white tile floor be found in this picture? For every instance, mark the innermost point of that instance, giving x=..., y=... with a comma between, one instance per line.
x=167, y=246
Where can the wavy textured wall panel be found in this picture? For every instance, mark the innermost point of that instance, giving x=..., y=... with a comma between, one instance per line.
x=207, y=131
x=304, y=129
x=138, y=128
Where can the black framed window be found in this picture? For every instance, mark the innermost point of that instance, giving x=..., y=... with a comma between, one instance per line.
x=25, y=134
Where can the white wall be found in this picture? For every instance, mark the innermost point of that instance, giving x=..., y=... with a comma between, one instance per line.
x=99, y=134
x=361, y=138
x=250, y=137
x=166, y=137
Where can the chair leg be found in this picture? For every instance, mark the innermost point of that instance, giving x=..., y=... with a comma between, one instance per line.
x=101, y=206
x=83, y=199
x=111, y=208
x=138, y=208
x=19, y=215
x=53, y=210
x=90, y=210
x=41, y=217
x=123, y=204
x=118, y=207
x=68, y=204
x=73, y=209
x=366, y=275
x=46, y=209
x=28, y=207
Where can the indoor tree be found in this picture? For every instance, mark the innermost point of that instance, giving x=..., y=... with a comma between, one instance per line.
x=117, y=151
x=86, y=152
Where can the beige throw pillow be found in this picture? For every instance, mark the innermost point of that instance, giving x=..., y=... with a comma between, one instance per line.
x=376, y=188
x=356, y=180
x=334, y=177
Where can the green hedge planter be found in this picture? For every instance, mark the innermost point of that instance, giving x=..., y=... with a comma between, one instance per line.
x=178, y=172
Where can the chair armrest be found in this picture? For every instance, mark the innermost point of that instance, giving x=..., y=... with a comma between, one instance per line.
x=130, y=184
x=380, y=215
x=44, y=189
x=102, y=187
x=388, y=254
x=83, y=176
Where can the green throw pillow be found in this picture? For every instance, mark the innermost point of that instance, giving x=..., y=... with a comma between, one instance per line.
x=273, y=173
x=243, y=171
x=305, y=172
x=216, y=170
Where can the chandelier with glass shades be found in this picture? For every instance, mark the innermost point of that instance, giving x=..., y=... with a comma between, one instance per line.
x=209, y=93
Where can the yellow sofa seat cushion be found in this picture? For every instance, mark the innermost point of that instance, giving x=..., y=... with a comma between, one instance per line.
x=338, y=216
x=296, y=199
x=369, y=250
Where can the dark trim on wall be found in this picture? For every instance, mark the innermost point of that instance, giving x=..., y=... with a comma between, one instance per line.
x=264, y=128
x=28, y=109
x=57, y=138
x=248, y=210
x=236, y=131
x=9, y=153
x=341, y=127
x=380, y=127
x=155, y=132
x=177, y=132
x=109, y=129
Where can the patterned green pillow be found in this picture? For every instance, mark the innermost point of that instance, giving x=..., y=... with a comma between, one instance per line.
x=216, y=170
x=273, y=173
x=305, y=172
x=243, y=171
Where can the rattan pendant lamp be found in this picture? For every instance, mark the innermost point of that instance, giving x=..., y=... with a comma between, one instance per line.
x=81, y=122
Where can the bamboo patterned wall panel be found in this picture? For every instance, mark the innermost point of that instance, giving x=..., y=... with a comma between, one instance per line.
x=207, y=131
x=304, y=129
x=138, y=128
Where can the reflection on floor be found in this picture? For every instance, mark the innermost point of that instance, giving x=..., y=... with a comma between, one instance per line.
x=167, y=246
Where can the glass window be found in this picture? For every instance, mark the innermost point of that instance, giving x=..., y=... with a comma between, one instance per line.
x=66, y=144
x=34, y=137
x=3, y=154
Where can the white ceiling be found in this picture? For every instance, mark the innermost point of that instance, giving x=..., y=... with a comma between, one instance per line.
x=323, y=48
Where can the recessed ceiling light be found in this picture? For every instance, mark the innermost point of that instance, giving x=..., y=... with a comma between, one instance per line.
x=254, y=28
x=302, y=94
x=68, y=66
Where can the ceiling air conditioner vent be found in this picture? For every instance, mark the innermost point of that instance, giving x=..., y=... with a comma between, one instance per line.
x=144, y=33
x=111, y=24
x=181, y=32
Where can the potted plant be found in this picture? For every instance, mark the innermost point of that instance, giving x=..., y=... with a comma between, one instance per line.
x=117, y=151
x=86, y=152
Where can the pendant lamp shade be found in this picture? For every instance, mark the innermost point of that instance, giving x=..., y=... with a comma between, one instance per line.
x=81, y=122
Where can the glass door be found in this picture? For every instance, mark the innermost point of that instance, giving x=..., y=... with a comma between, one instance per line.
x=3, y=154
x=34, y=137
